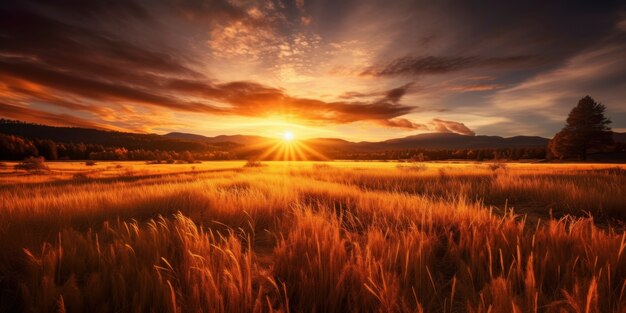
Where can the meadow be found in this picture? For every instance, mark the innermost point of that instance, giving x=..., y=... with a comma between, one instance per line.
x=313, y=237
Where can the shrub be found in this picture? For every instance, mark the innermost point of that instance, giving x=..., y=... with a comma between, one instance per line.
x=253, y=163
x=413, y=167
x=81, y=176
x=32, y=164
x=321, y=166
x=497, y=165
x=420, y=158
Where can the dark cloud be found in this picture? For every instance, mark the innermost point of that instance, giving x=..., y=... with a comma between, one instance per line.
x=392, y=95
x=253, y=99
x=80, y=49
x=424, y=65
x=95, y=89
x=37, y=116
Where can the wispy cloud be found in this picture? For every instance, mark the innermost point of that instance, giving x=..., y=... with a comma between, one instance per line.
x=424, y=65
x=436, y=125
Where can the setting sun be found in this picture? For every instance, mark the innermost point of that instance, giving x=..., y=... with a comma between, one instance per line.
x=288, y=136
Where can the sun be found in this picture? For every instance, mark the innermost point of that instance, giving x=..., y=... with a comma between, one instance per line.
x=288, y=136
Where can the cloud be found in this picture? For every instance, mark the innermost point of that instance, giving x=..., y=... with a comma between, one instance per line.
x=598, y=71
x=392, y=95
x=254, y=99
x=95, y=89
x=437, y=125
x=218, y=58
x=451, y=127
x=198, y=95
x=37, y=116
x=425, y=65
x=403, y=123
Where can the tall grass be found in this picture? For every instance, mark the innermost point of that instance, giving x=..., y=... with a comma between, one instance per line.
x=311, y=238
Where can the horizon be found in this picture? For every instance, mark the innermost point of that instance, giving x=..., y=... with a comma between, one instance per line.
x=357, y=71
x=285, y=136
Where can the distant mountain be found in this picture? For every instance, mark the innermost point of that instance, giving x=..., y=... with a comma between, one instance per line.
x=186, y=136
x=234, y=139
x=457, y=141
x=427, y=141
x=100, y=137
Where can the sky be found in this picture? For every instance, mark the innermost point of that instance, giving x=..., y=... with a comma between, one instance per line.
x=351, y=69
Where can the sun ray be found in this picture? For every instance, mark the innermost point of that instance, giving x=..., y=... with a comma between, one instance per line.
x=269, y=151
x=313, y=152
x=301, y=156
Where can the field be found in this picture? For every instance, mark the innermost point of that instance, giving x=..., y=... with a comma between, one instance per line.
x=313, y=237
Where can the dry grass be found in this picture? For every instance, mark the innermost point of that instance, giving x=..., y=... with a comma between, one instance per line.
x=313, y=237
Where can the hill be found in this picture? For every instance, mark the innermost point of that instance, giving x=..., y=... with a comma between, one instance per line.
x=99, y=137
x=221, y=139
x=425, y=141
x=455, y=141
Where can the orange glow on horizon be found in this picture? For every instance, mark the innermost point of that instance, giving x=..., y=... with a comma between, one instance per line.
x=287, y=149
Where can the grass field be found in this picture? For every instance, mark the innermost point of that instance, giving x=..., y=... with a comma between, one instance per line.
x=313, y=237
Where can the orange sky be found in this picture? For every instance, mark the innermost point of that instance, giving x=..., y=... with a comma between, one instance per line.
x=358, y=70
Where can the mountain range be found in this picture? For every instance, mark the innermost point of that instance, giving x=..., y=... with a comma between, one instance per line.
x=426, y=141
x=187, y=141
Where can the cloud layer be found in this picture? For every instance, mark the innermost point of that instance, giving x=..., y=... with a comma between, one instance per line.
x=407, y=67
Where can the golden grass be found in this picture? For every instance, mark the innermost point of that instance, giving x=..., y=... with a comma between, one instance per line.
x=306, y=237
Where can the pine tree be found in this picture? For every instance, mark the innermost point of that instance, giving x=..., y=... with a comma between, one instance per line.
x=586, y=128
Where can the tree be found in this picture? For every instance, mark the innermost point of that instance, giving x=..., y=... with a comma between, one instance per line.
x=586, y=127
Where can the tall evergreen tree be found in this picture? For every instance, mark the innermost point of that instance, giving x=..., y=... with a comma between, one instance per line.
x=586, y=127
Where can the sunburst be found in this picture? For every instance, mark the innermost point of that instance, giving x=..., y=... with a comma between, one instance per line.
x=288, y=148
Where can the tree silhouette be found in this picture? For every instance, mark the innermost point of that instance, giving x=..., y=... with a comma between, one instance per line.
x=586, y=128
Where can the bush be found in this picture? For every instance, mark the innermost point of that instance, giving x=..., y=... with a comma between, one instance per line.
x=321, y=166
x=497, y=166
x=413, y=167
x=253, y=163
x=32, y=164
x=81, y=176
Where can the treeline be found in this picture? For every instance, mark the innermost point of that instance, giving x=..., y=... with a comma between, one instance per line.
x=107, y=139
x=18, y=148
x=448, y=154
